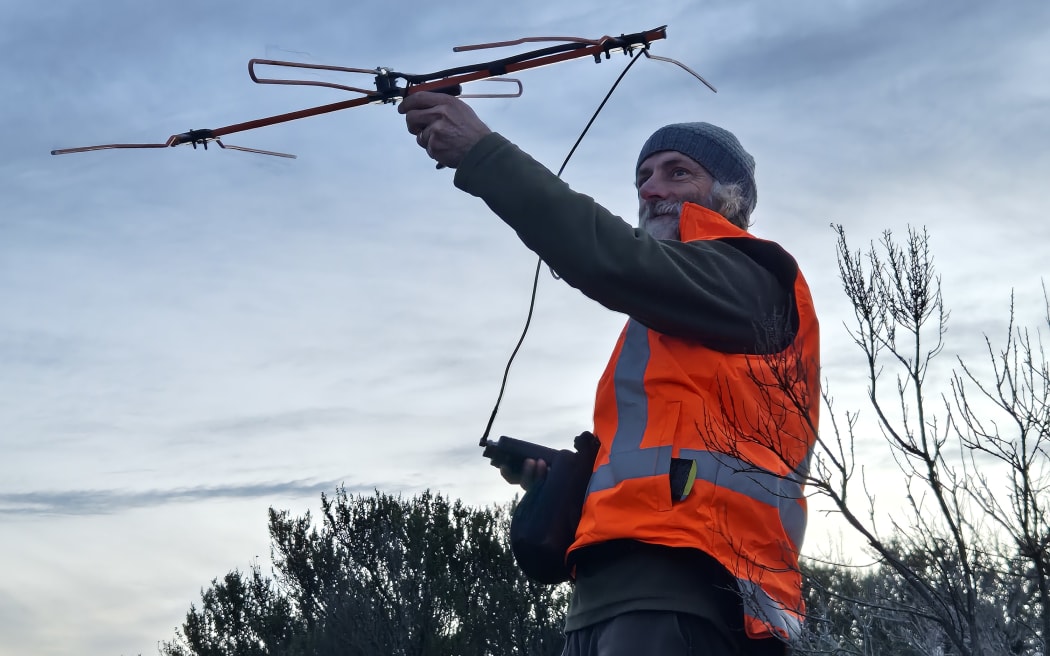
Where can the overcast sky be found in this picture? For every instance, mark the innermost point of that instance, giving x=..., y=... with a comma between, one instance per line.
x=188, y=338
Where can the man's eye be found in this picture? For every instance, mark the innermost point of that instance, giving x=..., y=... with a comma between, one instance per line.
x=677, y=173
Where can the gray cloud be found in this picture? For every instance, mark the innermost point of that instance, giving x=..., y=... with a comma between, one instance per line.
x=107, y=502
x=286, y=422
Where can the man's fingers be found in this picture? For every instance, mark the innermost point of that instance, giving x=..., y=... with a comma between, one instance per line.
x=424, y=108
x=418, y=120
x=422, y=100
x=524, y=476
x=541, y=470
x=509, y=475
x=531, y=472
x=528, y=473
x=444, y=126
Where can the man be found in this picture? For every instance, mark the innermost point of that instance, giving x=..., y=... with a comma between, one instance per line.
x=707, y=411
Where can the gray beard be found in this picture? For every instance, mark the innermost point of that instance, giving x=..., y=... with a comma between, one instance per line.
x=652, y=208
x=655, y=208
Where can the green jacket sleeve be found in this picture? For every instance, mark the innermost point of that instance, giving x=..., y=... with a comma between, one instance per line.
x=724, y=293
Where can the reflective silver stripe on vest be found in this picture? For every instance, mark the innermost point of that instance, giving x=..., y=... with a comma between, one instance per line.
x=780, y=492
x=761, y=606
x=626, y=457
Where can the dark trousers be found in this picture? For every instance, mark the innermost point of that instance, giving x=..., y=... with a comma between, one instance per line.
x=663, y=633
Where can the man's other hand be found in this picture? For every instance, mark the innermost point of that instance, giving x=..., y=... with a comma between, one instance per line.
x=445, y=126
x=532, y=472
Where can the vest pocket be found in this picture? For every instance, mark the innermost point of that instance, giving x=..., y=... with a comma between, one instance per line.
x=670, y=414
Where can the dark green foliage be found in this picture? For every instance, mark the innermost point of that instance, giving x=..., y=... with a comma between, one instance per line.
x=239, y=616
x=381, y=575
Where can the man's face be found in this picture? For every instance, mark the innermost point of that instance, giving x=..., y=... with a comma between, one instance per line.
x=666, y=180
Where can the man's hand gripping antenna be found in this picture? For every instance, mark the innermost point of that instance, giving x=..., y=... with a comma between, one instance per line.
x=391, y=86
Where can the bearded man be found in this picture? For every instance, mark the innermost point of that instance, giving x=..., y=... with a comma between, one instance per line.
x=694, y=516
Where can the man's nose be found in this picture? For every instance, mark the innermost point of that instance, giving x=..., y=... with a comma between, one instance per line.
x=652, y=189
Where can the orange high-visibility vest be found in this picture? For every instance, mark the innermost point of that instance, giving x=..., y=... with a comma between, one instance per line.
x=748, y=421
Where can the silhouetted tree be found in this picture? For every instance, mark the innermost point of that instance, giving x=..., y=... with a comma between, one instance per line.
x=385, y=576
x=964, y=568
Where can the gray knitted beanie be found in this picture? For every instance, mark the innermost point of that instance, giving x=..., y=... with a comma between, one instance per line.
x=716, y=149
